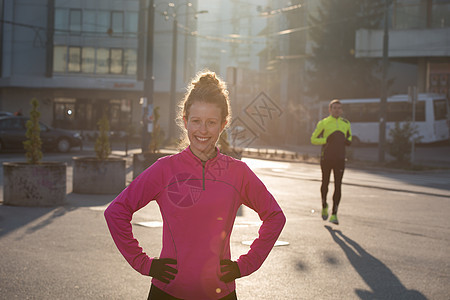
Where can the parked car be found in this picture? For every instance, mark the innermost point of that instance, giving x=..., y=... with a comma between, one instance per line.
x=6, y=114
x=13, y=130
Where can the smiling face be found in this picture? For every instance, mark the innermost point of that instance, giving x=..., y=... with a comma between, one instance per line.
x=204, y=125
x=336, y=110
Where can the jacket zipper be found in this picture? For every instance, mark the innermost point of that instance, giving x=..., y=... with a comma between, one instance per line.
x=203, y=175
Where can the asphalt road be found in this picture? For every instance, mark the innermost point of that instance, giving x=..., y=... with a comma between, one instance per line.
x=392, y=242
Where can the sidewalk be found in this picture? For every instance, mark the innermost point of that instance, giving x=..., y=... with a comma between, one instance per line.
x=434, y=181
x=427, y=156
x=434, y=156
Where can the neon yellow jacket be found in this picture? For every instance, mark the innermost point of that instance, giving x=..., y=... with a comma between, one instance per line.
x=333, y=134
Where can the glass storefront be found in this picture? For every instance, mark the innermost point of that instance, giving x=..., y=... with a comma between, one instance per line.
x=83, y=114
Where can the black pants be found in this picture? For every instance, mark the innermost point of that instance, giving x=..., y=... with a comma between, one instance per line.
x=158, y=294
x=338, y=172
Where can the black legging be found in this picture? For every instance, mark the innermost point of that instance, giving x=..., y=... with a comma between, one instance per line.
x=158, y=294
x=338, y=172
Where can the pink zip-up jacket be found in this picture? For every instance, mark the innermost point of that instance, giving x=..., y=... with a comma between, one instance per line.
x=198, y=204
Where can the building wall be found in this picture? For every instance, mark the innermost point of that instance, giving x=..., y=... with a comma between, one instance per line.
x=77, y=88
x=418, y=51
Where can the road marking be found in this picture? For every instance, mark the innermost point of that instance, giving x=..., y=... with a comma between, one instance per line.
x=150, y=224
x=277, y=243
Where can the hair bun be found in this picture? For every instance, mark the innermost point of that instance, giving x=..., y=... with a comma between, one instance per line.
x=207, y=79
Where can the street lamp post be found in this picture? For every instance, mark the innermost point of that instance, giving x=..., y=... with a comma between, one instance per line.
x=149, y=79
x=383, y=99
x=173, y=78
x=173, y=74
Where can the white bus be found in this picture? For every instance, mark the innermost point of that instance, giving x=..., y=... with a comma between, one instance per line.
x=432, y=117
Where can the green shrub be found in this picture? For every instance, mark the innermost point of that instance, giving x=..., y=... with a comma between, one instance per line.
x=400, y=141
x=157, y=136
x=33, y=144
x=102, y=146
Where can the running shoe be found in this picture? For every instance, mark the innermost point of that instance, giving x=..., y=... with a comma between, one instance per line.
x=334, y=220
x=325, y=213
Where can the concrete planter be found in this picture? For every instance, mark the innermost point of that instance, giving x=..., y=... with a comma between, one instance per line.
x=41, y=184
x=144, y=160
x=93, y=176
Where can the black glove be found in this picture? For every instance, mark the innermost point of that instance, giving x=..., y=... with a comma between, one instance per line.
x=231, y=270
x=161, y=271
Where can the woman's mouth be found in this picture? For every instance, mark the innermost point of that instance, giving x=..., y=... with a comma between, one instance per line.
x=202, y=139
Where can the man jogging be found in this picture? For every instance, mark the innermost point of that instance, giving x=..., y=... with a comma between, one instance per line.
x=333, y=133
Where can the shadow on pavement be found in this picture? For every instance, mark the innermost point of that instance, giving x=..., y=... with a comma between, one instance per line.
x=35, y=218
x=88, y=200
x=15, y=217
x=384, y=284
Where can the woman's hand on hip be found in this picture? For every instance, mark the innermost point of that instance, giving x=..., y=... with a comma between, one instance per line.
x=230, y=270
x=161, y=270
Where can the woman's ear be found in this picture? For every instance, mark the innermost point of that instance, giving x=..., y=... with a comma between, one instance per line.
x=185, y=122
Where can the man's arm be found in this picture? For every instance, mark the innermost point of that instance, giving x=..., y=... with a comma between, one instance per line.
x=317, y=138
x=348, y=140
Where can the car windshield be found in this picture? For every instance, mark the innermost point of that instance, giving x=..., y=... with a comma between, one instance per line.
x=11, y=123
x=43, y=126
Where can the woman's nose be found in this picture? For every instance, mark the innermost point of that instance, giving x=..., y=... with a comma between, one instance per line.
x=203, y=127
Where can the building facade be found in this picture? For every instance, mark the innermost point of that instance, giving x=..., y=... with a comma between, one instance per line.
x=78, y=58
x=419, y=45
x=82, y=59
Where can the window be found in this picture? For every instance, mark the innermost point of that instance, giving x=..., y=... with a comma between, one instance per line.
x=102, y=21
x=64, y=112
x=119, y=114
x=11, y=124
x=116, y=61
x=440, y=109
x=74, y=64
x=59, y=58
x=131, y=22
x=117, y=22
x=89, y=21
x=361, y=112
x=402, y=111
x=61, y=21
x=130, y=62
x=410, y=14
x=75, y=21
x=399, y=111
x=88, y=60
x=83, y=115
x=440, y=14
x=102, y=61
x=420, y=111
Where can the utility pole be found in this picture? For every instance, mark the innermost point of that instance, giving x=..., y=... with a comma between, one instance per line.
x=149, y=79
x=49, y=42
x=412, y=96
x=173, y=73
x=173, y=79
x=383, y=100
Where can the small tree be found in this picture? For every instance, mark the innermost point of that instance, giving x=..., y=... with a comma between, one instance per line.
x=157, y=135
x=33, y=144
x=400, y=140
x=102, y=146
